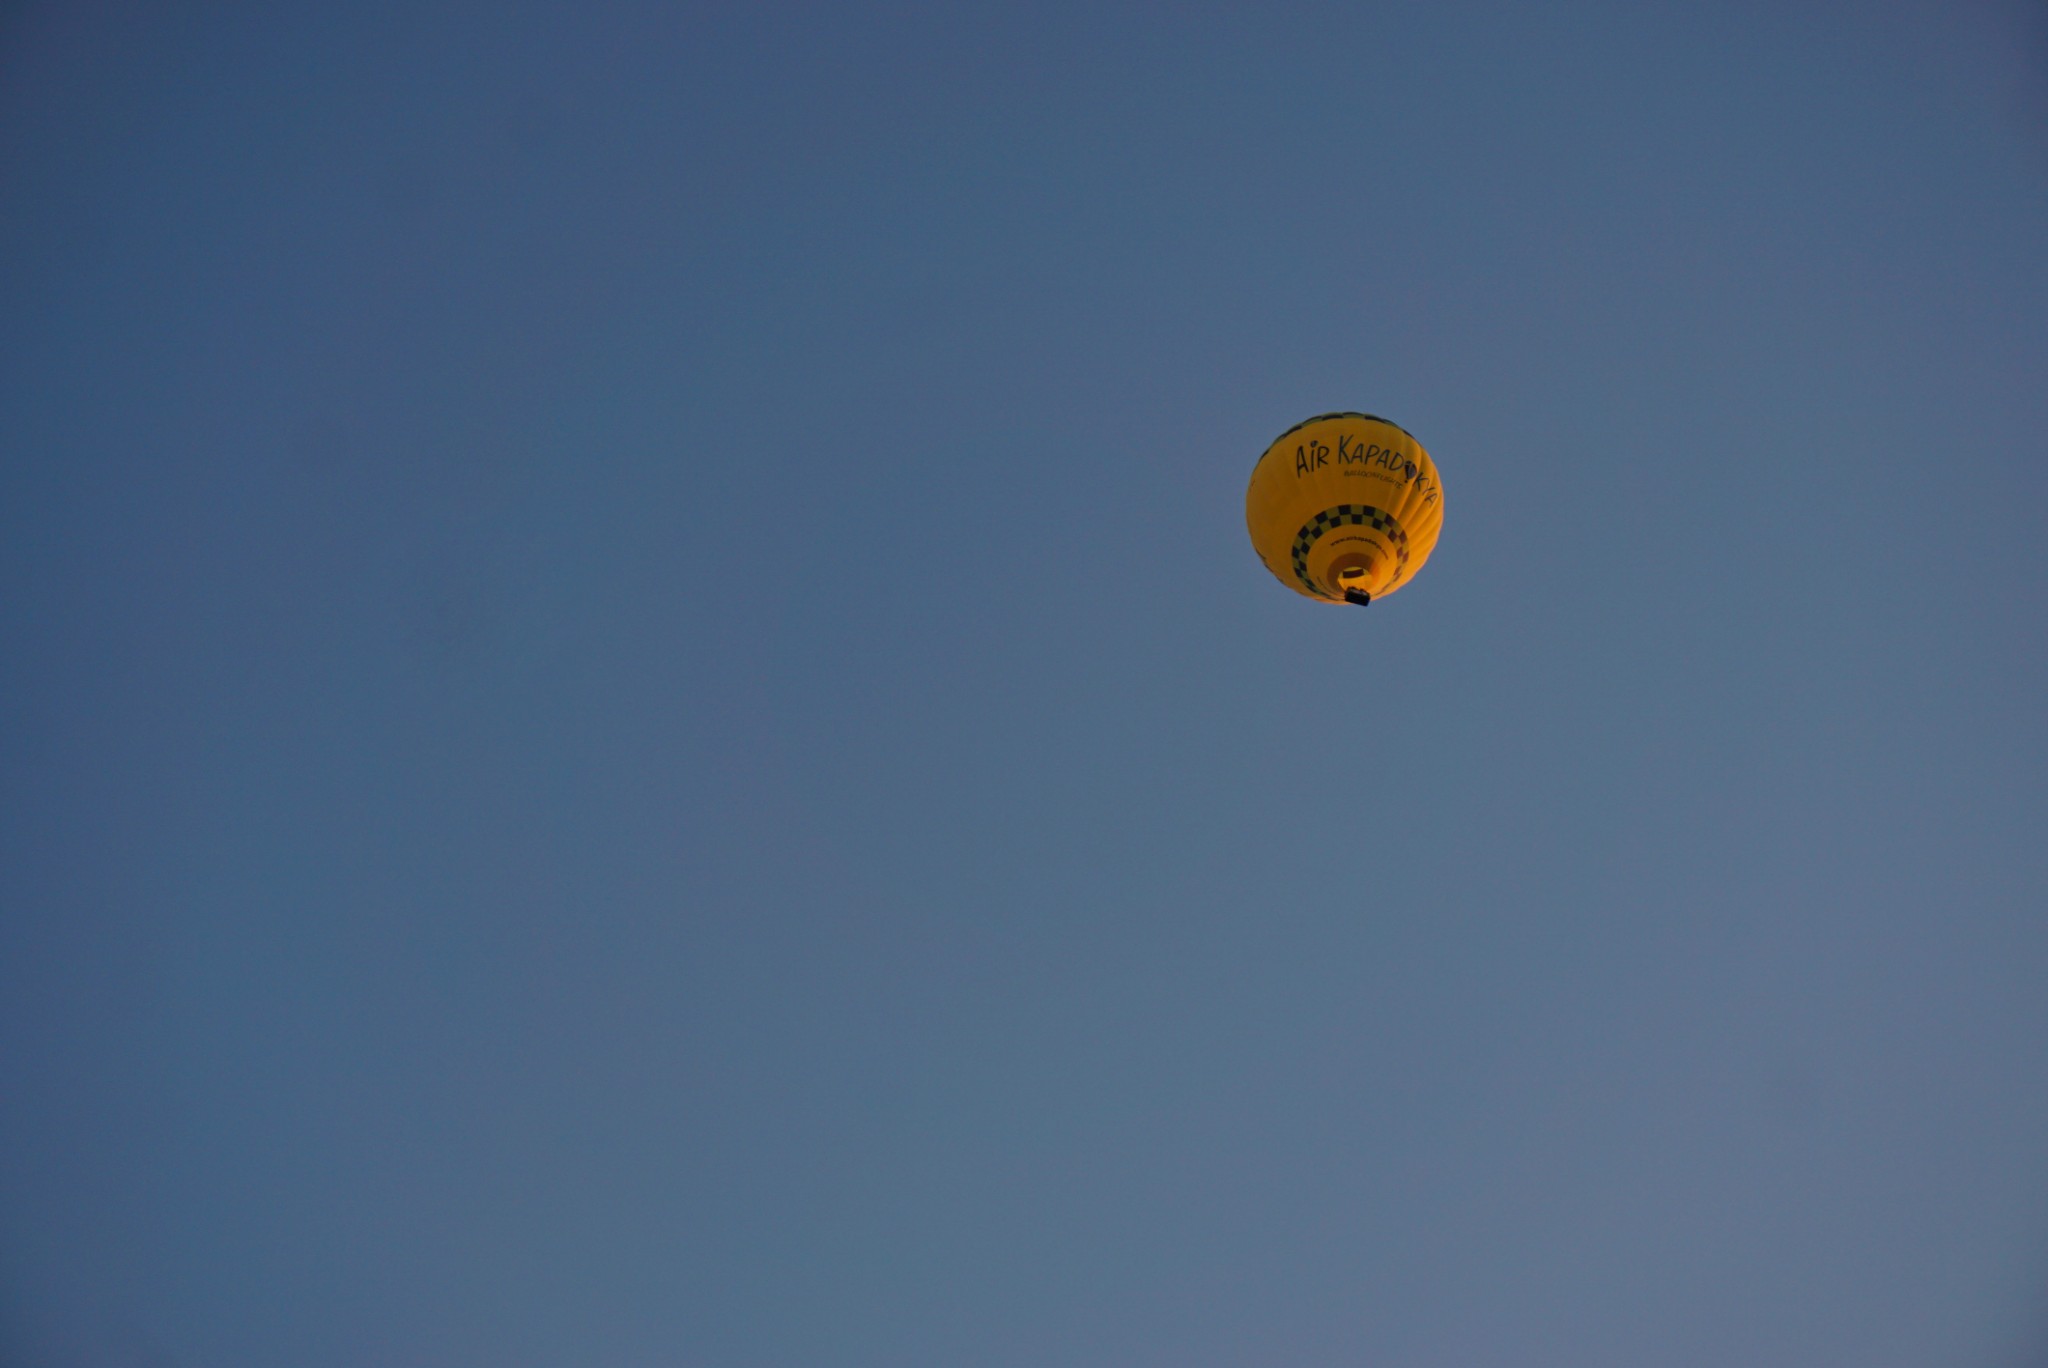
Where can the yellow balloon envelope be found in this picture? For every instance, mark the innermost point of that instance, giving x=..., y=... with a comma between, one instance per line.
x=1344, y=508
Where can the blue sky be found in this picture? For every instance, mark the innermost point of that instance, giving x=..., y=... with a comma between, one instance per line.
x=637, y=726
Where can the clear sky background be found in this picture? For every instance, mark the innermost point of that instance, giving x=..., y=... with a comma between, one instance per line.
x=637, y=726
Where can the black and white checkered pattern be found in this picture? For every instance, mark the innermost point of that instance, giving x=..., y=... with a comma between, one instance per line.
x=1348, y=515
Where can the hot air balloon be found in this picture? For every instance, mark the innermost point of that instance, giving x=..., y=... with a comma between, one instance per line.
x=1344, y=508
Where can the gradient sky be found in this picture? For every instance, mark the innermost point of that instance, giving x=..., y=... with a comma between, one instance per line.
x=637, y=726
